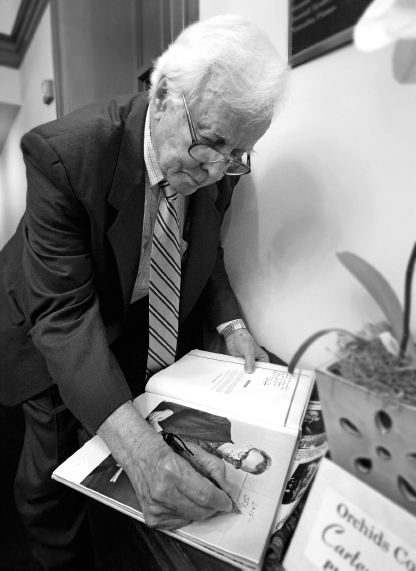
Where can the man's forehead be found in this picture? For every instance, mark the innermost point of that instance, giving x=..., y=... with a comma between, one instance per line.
x=212, y=115
x=210, y=103
x=211, y=129
x=215, y=118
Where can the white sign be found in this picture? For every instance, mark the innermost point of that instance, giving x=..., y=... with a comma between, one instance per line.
x=348, y=526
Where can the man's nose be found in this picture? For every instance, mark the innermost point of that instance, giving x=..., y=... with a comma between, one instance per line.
x=215, y=170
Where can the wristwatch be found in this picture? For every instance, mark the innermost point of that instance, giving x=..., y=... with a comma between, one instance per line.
x=231, y=327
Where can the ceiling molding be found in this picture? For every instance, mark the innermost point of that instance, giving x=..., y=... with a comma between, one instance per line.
x=14, y=46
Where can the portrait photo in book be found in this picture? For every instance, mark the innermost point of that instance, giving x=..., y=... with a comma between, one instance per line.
x=251, y=424
x=212, y=432
x=112, y=482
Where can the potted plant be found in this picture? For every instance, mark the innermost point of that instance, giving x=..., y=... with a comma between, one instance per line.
x=368, y=393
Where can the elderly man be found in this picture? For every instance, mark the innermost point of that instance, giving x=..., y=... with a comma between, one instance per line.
x=116, y=266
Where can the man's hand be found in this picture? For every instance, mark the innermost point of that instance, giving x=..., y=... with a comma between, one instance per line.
x=242, y=344
x=171, y=493
x=212, y=464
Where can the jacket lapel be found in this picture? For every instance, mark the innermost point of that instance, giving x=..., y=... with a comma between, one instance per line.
x=203, y=246
x=127, y=196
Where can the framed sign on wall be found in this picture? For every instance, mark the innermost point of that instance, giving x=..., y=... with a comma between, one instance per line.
x=317, y=27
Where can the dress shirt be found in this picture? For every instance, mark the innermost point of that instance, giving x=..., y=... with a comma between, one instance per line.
x=153, y=195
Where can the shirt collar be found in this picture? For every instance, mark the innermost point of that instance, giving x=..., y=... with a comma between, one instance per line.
x=152, y=166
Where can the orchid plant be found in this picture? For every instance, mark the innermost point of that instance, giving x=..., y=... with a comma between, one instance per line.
x=385, y=350
x=390, y=343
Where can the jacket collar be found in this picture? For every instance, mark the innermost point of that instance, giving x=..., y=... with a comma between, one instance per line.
x=130, y=166
x=127, y=196
x=203, y=246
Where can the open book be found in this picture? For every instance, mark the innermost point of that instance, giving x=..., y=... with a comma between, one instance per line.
x=207, y=398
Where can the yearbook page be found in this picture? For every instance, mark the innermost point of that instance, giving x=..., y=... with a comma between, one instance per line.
x=269, y=395
x=208, y=399
x=240, y=538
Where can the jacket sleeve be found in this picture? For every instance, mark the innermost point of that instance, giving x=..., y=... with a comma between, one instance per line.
x=62, y=304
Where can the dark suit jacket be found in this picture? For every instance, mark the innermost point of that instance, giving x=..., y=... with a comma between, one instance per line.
x=121, y=490
x=189, y=422
x=68, y=272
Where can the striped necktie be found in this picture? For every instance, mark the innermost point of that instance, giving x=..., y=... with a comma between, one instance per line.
x=165, y=283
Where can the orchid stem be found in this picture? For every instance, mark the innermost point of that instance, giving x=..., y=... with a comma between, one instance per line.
x=407, y=302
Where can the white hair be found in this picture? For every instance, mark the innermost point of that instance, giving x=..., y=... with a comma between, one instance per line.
x=251, y=74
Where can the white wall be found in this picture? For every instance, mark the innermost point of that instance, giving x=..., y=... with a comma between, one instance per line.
x=335, y=172
x=36, y=66
x=9, y=85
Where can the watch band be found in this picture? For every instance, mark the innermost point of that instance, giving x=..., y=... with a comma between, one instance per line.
x=232, y=327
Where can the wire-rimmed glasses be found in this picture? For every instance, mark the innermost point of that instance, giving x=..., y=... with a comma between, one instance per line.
x=208, y=153
x=241, y=456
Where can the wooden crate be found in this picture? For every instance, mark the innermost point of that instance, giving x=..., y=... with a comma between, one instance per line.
x=370, y=436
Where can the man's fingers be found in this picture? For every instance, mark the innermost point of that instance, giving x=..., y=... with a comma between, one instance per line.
x=262, y=356
x=166, y=521
x=169, y=489
x=176, y=506
x=214, y=466
x=250, y=358
x=202, y=492
x=242, y=344
x=171, y=524
x=179, y=491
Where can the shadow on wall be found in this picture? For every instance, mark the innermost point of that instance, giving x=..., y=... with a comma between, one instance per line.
x=298, y=226
x=277, y=225
x=240, y=228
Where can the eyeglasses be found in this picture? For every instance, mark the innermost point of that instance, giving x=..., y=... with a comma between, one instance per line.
x=241, y=456
x=207, y=153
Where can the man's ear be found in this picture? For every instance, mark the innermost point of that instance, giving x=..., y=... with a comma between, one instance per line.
x=160, y=98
